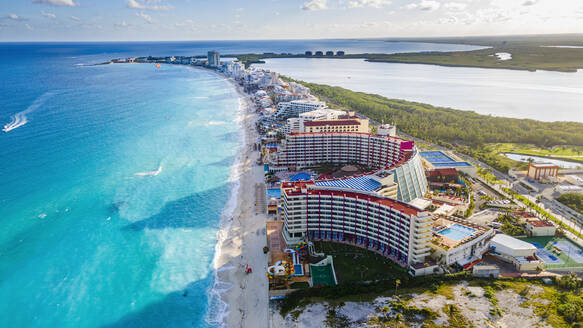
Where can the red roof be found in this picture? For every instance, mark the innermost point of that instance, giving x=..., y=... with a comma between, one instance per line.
x=335, y=122
x=442, y=172
x=540, y=223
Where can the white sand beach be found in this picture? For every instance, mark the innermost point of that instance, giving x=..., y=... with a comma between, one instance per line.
x=245, y=237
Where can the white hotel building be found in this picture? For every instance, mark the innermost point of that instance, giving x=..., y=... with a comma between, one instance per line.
x=297, y=107
x=392, y=228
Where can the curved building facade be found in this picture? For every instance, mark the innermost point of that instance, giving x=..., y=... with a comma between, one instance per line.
x=390, y=227
x=392, y=155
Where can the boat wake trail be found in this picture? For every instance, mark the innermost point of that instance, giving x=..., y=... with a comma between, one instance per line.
x=151, y=173
x=19, y=119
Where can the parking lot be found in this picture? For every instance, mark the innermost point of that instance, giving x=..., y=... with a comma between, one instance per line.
x=485, y=217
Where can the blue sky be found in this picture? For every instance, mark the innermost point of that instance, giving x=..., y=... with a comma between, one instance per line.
x=93, y=20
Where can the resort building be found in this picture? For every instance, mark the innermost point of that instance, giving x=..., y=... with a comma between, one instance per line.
x=344, y=123
x=214, y=58
x=296, y=107
x=392, y=228
x=326, y=120
x=296, y=124
x=539, y=171
x=398, y=157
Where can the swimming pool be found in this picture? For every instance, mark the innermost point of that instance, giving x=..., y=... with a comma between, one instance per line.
x=273, y=193
x=457, y=232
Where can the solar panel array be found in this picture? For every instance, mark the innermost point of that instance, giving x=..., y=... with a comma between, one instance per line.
x=363, y=183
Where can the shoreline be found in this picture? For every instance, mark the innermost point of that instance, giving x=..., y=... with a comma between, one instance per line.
x=241, y=236
x=234, y=300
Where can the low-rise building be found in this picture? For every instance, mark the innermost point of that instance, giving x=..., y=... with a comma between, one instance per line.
x=459, y=242
x=485, y=271
x=536, y=228
x=541, y=170
x=441, y=160
x=520, y=253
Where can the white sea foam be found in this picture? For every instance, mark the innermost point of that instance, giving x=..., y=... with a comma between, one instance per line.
x=219, y=309
x=211, y=123
x=19, y=119
x=150, y=173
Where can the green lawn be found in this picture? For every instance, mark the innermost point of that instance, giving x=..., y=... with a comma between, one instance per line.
x=354, y=264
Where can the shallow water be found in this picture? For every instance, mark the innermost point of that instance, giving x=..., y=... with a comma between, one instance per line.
x=113, y=181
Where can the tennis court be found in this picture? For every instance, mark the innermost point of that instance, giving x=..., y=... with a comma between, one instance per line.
x=436, y=157
x=547, y=250
x=545, y=255
x=548, y=257
x=572, y=251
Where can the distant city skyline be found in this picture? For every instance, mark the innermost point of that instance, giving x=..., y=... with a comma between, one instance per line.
x=142, y=20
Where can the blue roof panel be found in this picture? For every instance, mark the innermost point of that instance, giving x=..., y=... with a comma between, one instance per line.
x=363, y=183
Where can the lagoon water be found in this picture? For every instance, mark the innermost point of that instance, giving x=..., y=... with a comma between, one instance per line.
x=541, y=95
x=114, y=178
x=560, y=163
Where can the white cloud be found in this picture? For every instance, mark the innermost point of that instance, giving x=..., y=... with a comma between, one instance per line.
x=315, y=5
x=69, y=3
x=48, y=15
x=368, y=3
x=148, y=5
x=530, y=2
x=426, y=5
x=75, y=18
x=145, y=16
x=457, y=6
x=28, y=27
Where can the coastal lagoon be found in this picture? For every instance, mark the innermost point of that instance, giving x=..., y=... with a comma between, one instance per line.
x=541, y=95
x=560, y=163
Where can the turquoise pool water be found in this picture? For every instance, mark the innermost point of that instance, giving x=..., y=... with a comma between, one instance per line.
x=274, y=193
x=457, y=232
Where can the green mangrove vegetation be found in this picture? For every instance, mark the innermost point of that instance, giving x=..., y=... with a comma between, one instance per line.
x=464, y=131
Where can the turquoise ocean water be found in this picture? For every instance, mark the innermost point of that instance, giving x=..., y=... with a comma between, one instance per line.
x=111, y=195
x=113, y=179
